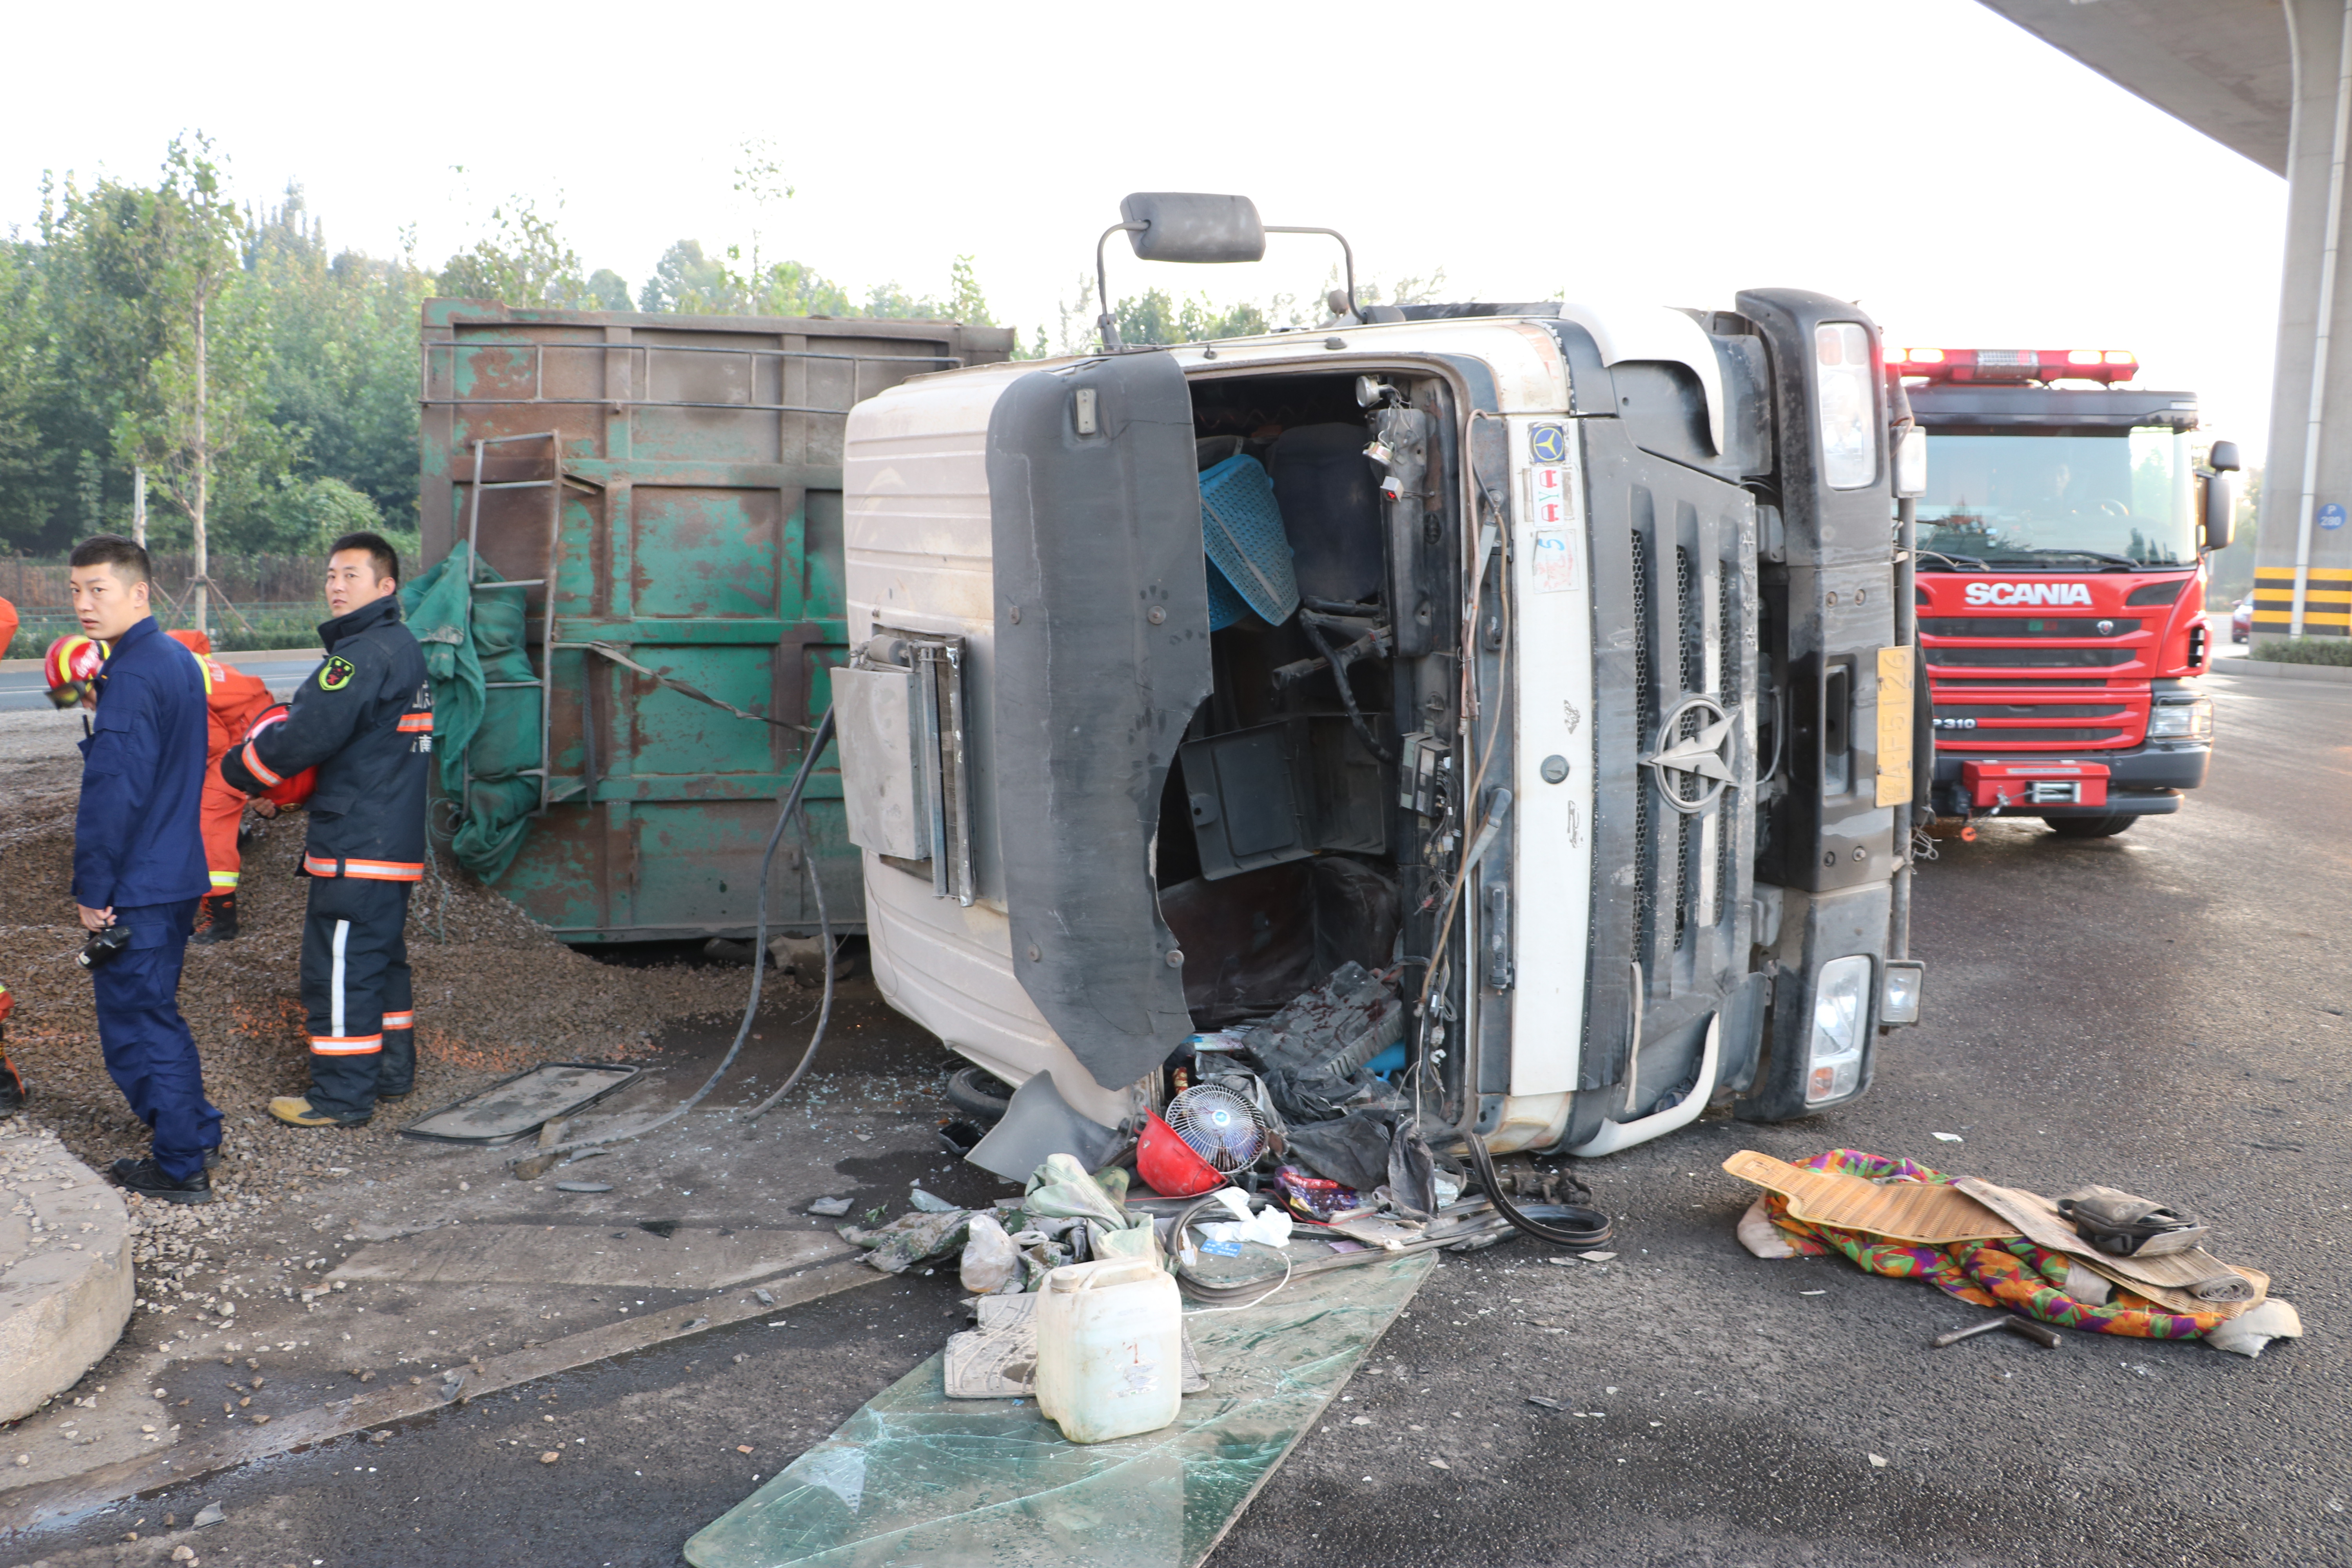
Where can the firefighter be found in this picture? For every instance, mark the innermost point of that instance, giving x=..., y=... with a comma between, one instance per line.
x=234, y=700
x=12, y=1083
x=139, y=864
x=365, y=720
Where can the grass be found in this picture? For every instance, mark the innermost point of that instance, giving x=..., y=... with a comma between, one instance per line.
x=2305, y=650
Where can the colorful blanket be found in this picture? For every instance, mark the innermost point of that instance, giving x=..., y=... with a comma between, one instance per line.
x=2013, y=1274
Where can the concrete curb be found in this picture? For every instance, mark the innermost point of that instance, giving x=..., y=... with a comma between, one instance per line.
x=65, y=1286
x=2339, y=673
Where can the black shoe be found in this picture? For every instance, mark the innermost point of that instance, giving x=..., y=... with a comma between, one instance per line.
x=215, y=921
x=383, y=1094
x=212, y=1158
x=147, y=1178
x=12, y=1088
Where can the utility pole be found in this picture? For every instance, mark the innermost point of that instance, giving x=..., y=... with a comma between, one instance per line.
x=203, y=573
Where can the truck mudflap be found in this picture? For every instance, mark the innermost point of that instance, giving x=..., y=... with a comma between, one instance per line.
x=1101, y=657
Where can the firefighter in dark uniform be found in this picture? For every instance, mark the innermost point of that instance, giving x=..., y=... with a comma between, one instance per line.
x=365, y=721
x=139, y=864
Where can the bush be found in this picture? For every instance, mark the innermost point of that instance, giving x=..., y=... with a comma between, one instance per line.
x=2305, y=650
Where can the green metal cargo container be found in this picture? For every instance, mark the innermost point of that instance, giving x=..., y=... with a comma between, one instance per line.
x=665, y=489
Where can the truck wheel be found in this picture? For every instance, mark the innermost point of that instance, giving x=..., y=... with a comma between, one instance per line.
x=979, y=1094
x=2088, y=826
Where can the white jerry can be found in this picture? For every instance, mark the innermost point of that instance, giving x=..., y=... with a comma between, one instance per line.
x=1109, y=1348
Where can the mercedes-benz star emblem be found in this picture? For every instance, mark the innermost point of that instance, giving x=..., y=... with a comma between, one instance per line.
x=1693, y=769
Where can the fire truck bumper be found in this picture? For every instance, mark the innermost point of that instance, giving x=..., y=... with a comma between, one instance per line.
x=2145, y=781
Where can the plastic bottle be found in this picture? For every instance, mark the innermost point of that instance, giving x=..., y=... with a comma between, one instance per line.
x=1109, y=1348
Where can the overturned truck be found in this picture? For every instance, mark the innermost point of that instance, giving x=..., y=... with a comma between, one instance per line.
x=1541, y=660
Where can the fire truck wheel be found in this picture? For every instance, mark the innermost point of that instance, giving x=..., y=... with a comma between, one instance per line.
x=2088, y=826
x=979, y=1095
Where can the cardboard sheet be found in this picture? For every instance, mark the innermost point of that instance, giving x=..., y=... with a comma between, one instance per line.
x=2191, y=1281
x=1900, y=1211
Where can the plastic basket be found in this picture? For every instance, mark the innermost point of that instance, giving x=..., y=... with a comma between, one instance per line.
x=1240, y=529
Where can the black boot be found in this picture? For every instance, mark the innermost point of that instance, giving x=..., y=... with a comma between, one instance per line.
x=215, y=921
x=146, y=1178
x=12, y=1083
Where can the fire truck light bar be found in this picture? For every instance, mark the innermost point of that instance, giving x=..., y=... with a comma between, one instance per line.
x=2014, y=365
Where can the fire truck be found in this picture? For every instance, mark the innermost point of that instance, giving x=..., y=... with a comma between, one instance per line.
x=2061, y=544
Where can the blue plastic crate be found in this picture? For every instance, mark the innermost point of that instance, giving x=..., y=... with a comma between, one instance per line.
x=1240, y=529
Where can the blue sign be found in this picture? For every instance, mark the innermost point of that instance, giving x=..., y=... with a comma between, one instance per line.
x=2331, y=516
x=1547, y=443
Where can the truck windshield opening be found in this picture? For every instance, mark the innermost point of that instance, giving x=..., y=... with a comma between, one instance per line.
x=2065, y=502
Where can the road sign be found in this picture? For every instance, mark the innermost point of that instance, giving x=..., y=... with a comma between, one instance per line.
x=2331, y=516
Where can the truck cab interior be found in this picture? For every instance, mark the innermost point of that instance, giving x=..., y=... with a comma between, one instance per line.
x=1284, y=848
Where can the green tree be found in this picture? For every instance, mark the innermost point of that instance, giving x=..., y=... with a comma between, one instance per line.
x=523, y=261
x=608, y=291
x=165, y=312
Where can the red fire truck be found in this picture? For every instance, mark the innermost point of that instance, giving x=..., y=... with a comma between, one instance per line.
x=2061, y=540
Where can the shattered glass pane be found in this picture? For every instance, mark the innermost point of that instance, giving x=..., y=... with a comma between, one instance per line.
x=917, y=1477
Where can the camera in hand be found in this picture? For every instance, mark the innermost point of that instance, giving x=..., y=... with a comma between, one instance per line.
x=102, y=946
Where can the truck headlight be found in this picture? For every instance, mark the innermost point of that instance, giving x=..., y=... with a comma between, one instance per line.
x=2192, y=721
x=1899, y=994
x=1840, y=1019
x=1844, y=404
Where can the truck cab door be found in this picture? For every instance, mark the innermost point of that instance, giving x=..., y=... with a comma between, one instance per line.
x=1101, y=657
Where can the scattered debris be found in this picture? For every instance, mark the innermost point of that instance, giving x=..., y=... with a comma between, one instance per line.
x=1547, y=1404
x=550, y=1457
x=829, y=1208
x=583, y=1187
x=1877, y=1462
x=1948, y=1138
x=1598, y=1256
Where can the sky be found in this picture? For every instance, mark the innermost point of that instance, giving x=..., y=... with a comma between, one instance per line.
x=1967, y=184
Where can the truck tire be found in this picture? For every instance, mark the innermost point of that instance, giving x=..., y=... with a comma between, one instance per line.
x=2088, y=826
x=979, y=1094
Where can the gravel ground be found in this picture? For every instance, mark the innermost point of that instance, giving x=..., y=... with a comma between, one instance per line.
x=495, y=992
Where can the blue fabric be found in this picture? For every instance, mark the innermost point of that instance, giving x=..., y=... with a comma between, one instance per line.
x=150, y=1053
x=137, y=837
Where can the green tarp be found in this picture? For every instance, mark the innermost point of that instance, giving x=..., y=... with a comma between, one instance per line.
x=485, y=738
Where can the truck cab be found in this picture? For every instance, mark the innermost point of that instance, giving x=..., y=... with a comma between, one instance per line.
x=1539, y=658
x=2060, y=584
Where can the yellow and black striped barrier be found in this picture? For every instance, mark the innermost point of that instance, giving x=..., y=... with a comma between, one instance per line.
x=2326, y=602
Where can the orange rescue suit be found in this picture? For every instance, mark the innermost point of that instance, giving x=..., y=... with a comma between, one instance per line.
x=233, y=701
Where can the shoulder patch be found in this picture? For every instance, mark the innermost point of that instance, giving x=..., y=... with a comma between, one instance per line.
x=336, y=674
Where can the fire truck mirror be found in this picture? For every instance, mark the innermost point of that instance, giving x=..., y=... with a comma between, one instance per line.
x=2220, y=511
x=2223, y=458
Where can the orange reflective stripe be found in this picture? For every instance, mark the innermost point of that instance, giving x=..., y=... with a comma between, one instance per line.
x=346, y=1045
x=400, y=1020
x=253, y=765
x=416, y=723
x=386, y=870
x=317, y=867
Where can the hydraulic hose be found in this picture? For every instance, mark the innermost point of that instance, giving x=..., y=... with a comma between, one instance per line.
x=1596, y=1233
x=818, y=742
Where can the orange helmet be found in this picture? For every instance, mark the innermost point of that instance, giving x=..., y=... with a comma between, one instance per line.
x=72, y=662
x=293, y=790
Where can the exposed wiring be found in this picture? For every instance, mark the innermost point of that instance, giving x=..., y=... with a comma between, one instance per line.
x=824, y=938
x=818, y=742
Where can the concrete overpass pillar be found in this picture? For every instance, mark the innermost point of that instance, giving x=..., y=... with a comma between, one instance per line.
x=2303, y=576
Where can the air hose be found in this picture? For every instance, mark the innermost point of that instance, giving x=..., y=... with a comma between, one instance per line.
x=818, y=742
x=1593, y=1234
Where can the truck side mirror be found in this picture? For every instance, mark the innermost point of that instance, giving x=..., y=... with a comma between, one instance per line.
x=2223, y=459
x=1174, y=226
x=2220, y=504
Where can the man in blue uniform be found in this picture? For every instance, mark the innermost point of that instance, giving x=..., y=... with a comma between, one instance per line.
x=139, y=863
x=364, y=720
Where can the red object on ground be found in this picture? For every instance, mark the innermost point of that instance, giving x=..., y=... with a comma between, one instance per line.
x=7, y=624
x=1168, y=1165
x=234, y=700
x=291, y=791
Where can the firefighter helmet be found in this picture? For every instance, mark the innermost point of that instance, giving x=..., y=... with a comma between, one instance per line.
x=72, y=662
x=294, y=789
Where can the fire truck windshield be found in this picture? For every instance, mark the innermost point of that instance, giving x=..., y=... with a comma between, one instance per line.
x=2065, y=502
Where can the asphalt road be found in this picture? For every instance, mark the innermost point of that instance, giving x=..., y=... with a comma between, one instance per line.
x=24, y=692
x=2165, y=1012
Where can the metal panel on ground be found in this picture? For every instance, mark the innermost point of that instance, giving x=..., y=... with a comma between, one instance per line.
x=699, y=536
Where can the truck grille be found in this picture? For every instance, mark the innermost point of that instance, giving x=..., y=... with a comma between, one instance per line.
x=1674, y=605
x=2029, y=657
x=2010, y=738
x=2020, y=627
x=2031, y=711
